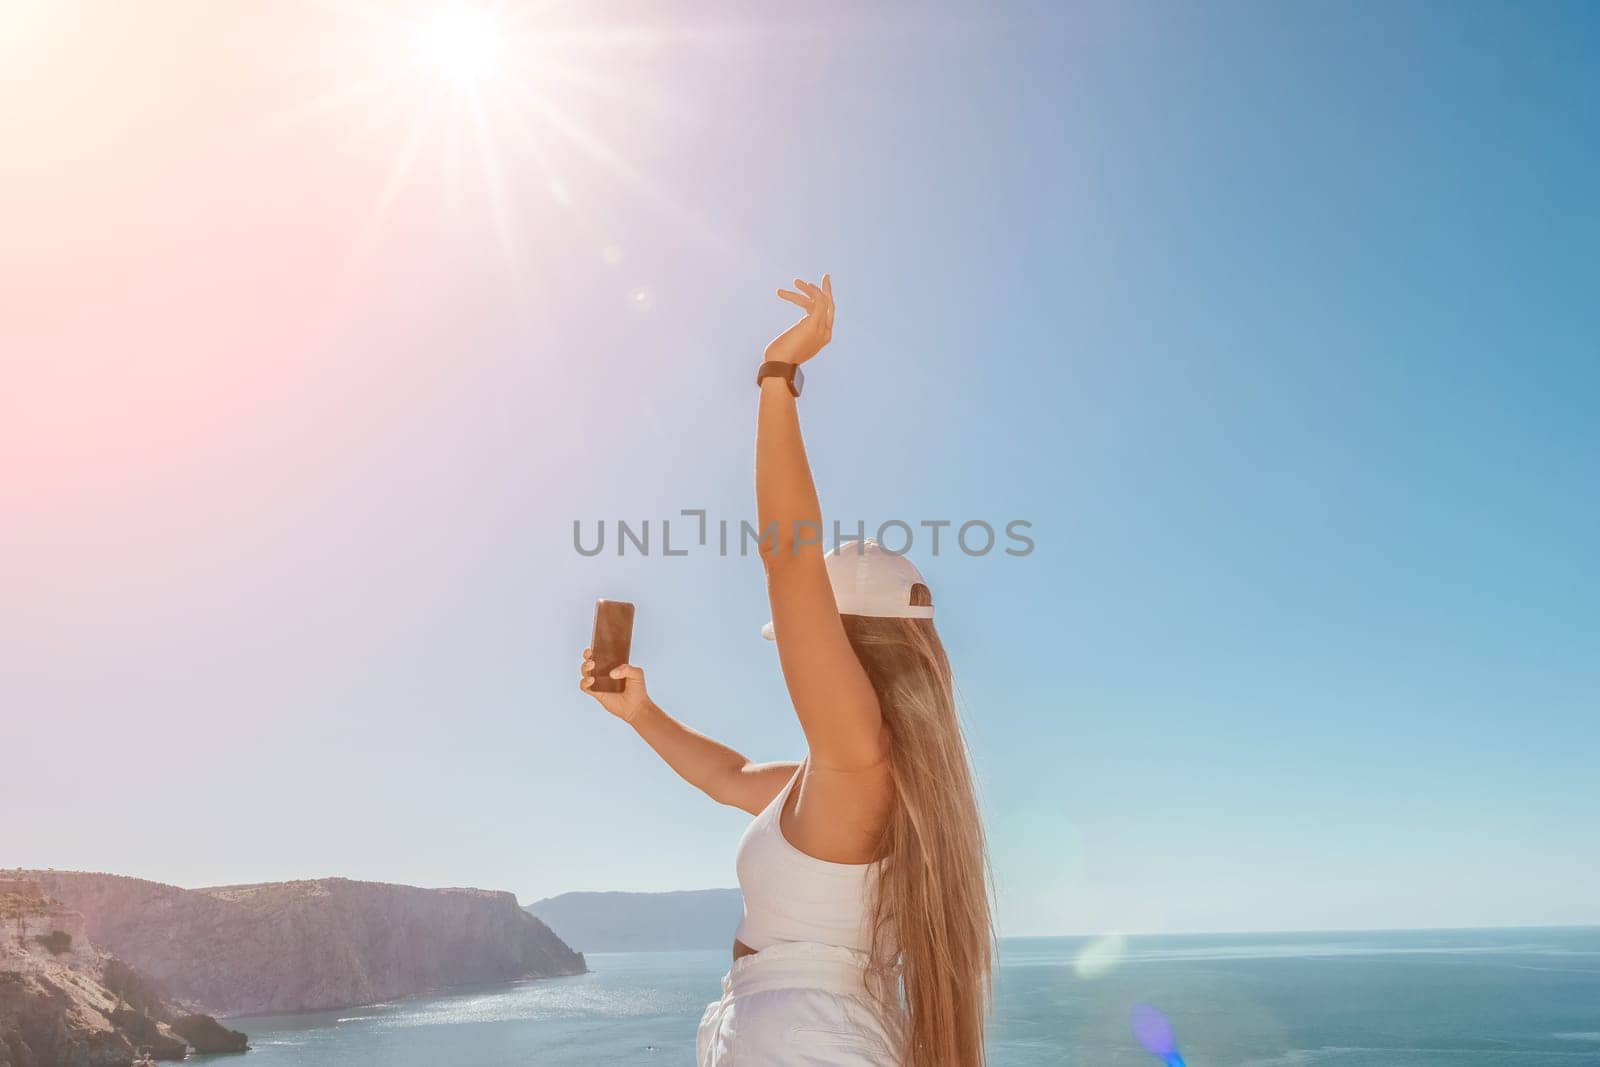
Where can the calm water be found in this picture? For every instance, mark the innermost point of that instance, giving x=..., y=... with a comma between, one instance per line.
x=1525, y=998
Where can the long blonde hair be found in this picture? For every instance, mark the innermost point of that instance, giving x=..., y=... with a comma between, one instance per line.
x=931, y=924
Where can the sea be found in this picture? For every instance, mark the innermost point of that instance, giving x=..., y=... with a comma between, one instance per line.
x=1436, y=998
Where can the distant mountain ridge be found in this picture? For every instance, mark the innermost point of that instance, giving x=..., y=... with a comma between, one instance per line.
x=643, y=922
x=309, y=945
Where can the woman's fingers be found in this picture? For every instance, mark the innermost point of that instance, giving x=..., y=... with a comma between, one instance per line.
x=585, y=682
x=821, y=301
x=588, y=653
x=817, y=302
x=628, y=670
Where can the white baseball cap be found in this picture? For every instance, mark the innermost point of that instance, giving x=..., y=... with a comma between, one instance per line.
x=868, y=579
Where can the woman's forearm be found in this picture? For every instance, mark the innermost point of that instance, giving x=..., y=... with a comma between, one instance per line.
x=786, y=500
x=787, y=508
x=703, y=762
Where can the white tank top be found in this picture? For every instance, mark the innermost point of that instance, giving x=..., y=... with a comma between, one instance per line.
x=790, y=896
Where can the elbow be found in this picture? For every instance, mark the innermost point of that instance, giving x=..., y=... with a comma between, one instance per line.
x=716, y=788
x=722, y=794
x=781, y=548
x=723, y=786
x=776, y=552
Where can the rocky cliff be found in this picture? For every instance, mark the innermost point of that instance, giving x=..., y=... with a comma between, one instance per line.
x=66, y=1003
x=310, y=946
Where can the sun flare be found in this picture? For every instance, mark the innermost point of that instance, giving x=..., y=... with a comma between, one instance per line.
x=503, y=107
x=464, y=45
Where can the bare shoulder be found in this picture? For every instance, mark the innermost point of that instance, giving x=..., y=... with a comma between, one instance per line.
x=838, y=814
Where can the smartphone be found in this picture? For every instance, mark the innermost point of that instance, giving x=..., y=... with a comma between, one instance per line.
x=613, y=638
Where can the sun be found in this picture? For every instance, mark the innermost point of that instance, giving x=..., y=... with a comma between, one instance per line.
x=517, y=84
x=463, y=44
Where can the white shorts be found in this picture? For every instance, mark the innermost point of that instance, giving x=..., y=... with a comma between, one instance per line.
x=798, y=1004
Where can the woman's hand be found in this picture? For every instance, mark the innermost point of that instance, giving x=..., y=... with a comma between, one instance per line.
x=625, y=705
x=808, y=336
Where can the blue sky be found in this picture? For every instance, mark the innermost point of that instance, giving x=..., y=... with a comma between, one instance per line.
x=1277, y=322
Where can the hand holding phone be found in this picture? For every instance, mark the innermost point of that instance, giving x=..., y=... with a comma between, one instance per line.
x=623, y=697
x=613, y=640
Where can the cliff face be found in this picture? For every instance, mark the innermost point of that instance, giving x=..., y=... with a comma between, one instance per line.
x=65, y=1002
x=310, y=946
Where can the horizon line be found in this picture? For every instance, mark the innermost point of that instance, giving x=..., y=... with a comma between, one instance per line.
x=1590, y=925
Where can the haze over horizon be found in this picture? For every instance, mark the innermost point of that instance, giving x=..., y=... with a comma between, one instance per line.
x=527, y=904
x=1277, y=324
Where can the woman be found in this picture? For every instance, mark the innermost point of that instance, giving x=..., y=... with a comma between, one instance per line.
x=866, y=935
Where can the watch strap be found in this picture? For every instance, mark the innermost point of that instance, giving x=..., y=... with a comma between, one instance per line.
x=789, y=372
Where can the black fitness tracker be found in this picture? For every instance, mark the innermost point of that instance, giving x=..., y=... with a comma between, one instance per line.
x=789, y=372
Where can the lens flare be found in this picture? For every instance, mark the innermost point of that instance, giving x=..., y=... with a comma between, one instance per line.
x=1100, y=956
x=1154, y=1032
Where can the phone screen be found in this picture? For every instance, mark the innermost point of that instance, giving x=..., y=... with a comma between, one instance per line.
x=613, y=636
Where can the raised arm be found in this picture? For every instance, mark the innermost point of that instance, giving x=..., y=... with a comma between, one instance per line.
x=718, y=771
x=837, y=707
